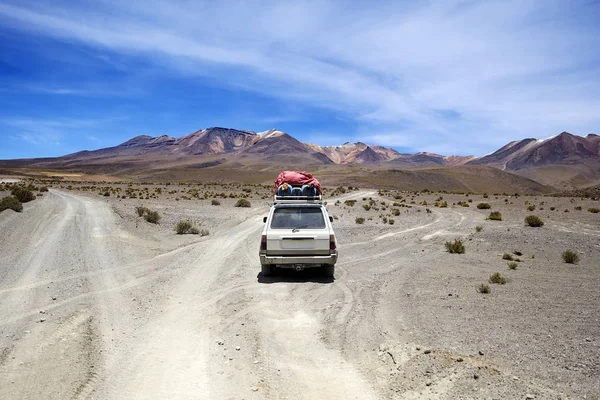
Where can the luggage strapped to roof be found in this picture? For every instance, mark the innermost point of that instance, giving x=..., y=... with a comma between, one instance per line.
x=297, y=187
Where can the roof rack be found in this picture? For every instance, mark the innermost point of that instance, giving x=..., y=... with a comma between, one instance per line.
x=298, y=199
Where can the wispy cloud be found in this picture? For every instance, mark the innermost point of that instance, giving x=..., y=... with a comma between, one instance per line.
x=453, y=75
x=63, y=134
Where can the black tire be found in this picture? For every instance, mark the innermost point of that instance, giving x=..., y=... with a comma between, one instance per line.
x=329, y=270
x=266, y=269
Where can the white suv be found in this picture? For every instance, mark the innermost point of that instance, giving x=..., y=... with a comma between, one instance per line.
x=298, y=234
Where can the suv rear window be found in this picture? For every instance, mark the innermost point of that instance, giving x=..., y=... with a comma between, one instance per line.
x=298, y=217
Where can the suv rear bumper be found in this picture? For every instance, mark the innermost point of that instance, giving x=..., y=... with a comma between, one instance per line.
x=283, y=260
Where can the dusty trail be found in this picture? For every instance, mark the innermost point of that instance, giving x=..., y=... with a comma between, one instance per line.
x=199, y=322
x=52, y=334
x=84, y=274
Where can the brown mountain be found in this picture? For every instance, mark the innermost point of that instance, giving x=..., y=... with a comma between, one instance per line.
x=368, y=156
x=348, y=153
x=213, y=141
x=565, y=149
x=430, y=159
x=563, y=161
x=562, y=149
x=278, y=146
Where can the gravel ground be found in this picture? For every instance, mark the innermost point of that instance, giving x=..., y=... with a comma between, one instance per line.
x=98, y=303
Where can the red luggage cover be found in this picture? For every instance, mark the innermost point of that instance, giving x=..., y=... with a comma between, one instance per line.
x=297, y=178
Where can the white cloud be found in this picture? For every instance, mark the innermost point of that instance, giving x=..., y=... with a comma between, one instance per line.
x=505, y=69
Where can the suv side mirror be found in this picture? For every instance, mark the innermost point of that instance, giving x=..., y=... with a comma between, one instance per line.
x=330, y=218
x=264, y=220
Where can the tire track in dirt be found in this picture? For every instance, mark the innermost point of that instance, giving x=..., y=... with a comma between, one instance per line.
x=60, y=358
x=172, y=360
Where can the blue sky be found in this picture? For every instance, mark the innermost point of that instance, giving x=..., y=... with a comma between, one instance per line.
x=450, y=77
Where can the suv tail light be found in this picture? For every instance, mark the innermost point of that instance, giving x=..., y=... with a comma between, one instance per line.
x=331, y=242
x=263, y=242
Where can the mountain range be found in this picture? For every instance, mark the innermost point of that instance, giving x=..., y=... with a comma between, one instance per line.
x=562, y=161
x=269, y=145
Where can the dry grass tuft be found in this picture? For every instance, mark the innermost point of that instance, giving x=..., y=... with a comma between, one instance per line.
x=570, y=257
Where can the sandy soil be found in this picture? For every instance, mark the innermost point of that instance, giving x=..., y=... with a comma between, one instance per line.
x=99, y=304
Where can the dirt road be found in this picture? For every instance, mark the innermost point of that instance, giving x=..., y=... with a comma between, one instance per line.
x=91, y=309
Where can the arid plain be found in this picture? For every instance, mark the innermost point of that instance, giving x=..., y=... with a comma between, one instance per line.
x=99, y=303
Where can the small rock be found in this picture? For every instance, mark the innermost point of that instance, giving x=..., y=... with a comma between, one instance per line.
x=230, y=358
x=418, y=348
x=238, y=348
x=427, y=351
x=53, y=297
x=587, y=339
x=515, y=378
x=42, y=320
x=42, y=312
x=254, y=389
x=459, y=359
x=480, y=352
x=220, y=342
x=529, y=396
x=255, y=362
x=475, y=376
x=428, y=383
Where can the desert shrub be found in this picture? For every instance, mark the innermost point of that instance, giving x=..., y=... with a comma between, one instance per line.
x=517, y=253
x=22, y=194
x=43, y=189
x=350, y=203
x=495, y=216
x=534, y=221
x=497, y=278
x=513, y=265
x=152, y=216
x=243, y=203
x=359, y=220
x=194, y=231
x=483, y=288
x=141, y=211
x=531, y=207
x=483, y=206
x=215, y=202
x=578, y=208
x=570, y=257
x=106, y=194
x=455, y=247
x=507, y=256
x=367, y=207
x=594, y=210
x=478, y=228
x=552, y=208
x=183, y=227
x=204, y=232
x=12, y=203
x=391, y=221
